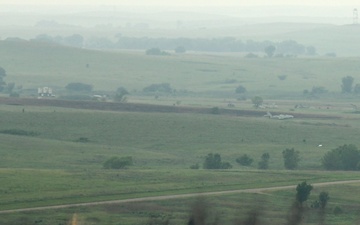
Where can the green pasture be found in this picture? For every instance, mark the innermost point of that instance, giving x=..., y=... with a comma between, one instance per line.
x=44, y=159
x=51, y=167
x=33, y=65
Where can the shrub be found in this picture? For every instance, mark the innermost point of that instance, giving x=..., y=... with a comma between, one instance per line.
x=195, y=166
x=240, y=89
x=244, y=160
x=337, y=210
x=282, y=77
x=180, y=49
x=163, y=87
x=118, y=163
x=215, y=110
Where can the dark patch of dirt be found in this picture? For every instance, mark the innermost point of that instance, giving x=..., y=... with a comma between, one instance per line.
x=139, y=107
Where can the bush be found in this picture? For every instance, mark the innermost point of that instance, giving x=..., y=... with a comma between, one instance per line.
x=282, y=77
x=337, y=210
x=195, y=166
x=118, y=163
x=244, y=160
x=240, y=89
x=180, y=49
x=215, y=110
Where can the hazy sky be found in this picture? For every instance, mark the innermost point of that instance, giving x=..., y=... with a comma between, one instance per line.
x=189, y=2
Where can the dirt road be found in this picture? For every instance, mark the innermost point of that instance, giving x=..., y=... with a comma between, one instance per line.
x=169, y=197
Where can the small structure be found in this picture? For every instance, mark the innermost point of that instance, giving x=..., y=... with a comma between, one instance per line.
x=45, y=92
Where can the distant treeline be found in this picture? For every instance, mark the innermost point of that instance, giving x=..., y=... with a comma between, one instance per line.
x=225, y=44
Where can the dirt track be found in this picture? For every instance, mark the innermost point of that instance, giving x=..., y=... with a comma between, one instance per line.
x=138, y=107
x=169, y=197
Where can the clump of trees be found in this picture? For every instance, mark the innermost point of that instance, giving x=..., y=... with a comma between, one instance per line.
x=2, y=75
x=156, y=51
x=345, y=157
x=118, y=162
x=79, y=87
x=347, y=83
x=213, y=161
x=162, y=88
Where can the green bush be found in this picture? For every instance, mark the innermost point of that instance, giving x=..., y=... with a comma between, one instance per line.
x=244, y=160
x=163, y=87
x=118, y=163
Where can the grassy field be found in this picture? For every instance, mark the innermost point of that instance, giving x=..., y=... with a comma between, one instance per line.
x=50, y=167
x=44, y=160
x=34, y=65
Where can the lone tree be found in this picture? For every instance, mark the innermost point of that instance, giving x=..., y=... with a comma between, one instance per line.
x=347, y=83
x=302, y=192
x=291, y=158
x=323, y=199
x=264, y=163
x=270, y=50
x=120, y=94
x=257, y=101
x=357, y=89
x=2, y=75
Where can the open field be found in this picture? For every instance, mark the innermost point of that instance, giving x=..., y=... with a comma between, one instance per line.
x=52, y=151
x=51, y=167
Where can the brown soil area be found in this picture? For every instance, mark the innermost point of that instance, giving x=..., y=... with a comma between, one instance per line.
x=138, y=107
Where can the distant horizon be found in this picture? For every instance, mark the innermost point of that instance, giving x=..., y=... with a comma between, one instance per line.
x=186, y=2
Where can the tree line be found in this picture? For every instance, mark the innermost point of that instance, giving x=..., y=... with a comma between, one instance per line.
x=345, y=157
x=180, y=45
